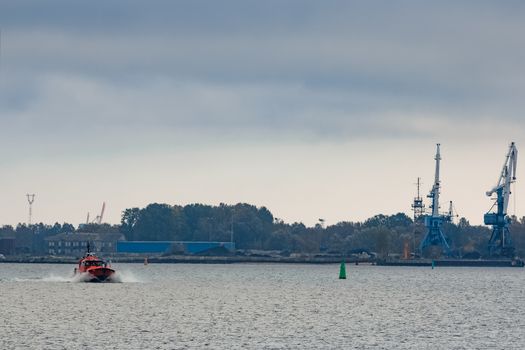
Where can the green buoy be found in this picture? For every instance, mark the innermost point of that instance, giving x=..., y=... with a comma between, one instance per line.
x=342, y=271
x=433, y=264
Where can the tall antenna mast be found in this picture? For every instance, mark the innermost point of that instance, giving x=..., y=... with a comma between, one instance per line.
x=418, y=207
x=30, y=200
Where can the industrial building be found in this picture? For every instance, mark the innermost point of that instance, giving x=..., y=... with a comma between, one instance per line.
x=75, y=244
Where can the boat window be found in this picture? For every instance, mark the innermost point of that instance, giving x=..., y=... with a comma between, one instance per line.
x=93, y=263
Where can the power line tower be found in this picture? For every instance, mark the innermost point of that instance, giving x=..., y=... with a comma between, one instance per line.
x=30, y=200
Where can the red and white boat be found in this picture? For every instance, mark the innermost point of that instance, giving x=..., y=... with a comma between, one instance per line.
x=93, y=269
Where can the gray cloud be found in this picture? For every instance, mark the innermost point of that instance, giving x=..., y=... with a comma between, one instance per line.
x=81, y=80
x=78, y=115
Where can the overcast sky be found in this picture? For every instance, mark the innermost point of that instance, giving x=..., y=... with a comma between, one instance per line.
x=314, y=109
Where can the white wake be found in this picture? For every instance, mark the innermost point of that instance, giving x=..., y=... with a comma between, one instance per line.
x=118, y=277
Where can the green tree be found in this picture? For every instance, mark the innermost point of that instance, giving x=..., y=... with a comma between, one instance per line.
x=156, y=222
x=128, y=221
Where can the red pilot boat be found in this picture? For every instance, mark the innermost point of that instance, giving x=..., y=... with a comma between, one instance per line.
x=93, y=269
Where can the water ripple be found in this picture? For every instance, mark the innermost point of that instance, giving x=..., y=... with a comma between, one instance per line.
x=263, y=307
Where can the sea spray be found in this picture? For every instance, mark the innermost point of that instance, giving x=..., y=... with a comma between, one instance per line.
x=62, y=274
x=81, y=277
x=125, y=276
x=56, y=278
x=118, y=277
x=49, y=278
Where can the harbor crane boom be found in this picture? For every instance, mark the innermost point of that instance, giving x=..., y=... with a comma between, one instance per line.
x=99, y=218
x=500, y=243
x=435, y=220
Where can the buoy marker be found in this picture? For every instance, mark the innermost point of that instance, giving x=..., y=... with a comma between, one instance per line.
x=342, y=271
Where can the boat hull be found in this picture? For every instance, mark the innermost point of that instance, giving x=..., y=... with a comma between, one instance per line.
x=99, y=274
x=93, y=269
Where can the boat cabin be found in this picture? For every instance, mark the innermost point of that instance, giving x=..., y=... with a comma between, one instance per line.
x=89, y=263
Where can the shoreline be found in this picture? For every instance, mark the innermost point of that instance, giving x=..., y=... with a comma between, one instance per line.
x=183, y=259
x=187, y=259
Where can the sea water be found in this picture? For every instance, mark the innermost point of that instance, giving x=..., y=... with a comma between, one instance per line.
x=263, y=306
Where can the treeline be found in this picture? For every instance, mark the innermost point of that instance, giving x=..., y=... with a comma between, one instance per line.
x=257, y=229
x=251, y=226
x=31, y=239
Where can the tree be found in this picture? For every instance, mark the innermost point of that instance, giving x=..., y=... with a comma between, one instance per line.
x=156, y=222
x=67, y=228
x=128, y=222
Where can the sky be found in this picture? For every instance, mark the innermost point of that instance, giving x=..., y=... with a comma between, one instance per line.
x=314, y=109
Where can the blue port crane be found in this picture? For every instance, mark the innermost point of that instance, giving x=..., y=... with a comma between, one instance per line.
x=434, y=221
x=500, y=243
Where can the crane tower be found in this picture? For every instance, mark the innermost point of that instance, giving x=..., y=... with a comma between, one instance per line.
x=434, y=220
x=500, y=243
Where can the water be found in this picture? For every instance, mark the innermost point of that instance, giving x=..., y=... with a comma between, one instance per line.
x=263, y=306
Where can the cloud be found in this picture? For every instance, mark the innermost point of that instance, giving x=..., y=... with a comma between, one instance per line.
x=83, y=82
x=81, y=115
x=451, y=59
x=314, y=109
